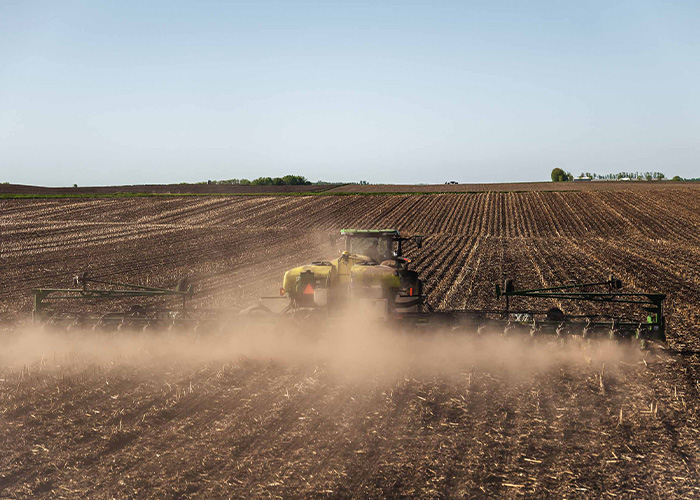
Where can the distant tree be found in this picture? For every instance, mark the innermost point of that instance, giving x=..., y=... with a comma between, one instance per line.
x=75, y=185
x=262, y=181
x=287, y=180
x=677, y=178
x=558, y=175
x=295, y=180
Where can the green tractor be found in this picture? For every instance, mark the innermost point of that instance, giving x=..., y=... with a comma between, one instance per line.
x=372, y=280
x=371, y=276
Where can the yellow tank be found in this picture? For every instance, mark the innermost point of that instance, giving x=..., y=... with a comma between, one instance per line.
x=375, y=275
x=326, y=275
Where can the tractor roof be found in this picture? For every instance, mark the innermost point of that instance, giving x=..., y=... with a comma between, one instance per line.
x=369, y=232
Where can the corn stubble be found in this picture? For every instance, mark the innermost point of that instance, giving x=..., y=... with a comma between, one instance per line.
x=358, y=411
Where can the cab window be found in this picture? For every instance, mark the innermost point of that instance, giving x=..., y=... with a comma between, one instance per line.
x=378, y=249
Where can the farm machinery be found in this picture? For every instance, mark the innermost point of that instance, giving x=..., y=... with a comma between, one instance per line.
x=88, y=291
x=371, y=279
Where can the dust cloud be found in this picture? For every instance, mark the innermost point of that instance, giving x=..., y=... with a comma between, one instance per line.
x=347, y=349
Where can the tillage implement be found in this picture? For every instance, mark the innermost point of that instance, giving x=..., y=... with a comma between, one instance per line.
x=371, y=279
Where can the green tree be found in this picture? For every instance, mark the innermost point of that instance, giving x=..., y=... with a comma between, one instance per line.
x=295, y=180
x=558, y=174
x=262, y=181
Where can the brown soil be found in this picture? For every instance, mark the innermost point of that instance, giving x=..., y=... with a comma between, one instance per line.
x=161, y=189
x=363, y=414
x=514, y=187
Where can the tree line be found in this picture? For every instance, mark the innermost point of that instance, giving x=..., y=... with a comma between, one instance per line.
x=638, y=176
x=559, y=175
x=287, y=180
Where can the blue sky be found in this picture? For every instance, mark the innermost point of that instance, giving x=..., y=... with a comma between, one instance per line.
x=400, y=92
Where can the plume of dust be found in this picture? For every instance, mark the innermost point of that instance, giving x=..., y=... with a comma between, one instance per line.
x=348, y=348
x=312, y=245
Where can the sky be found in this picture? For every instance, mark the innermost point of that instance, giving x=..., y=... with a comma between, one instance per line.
x=132, y=92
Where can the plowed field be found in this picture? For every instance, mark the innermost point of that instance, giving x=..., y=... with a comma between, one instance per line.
x=366, y=414
x=515, y=187
x=21, y=189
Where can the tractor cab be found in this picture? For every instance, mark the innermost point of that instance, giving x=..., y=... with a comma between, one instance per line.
x=377, y=245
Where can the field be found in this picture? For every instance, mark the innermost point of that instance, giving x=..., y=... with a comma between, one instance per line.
x=159, y=189
x=363, y=414
x=19, y=190
x=513, y=187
